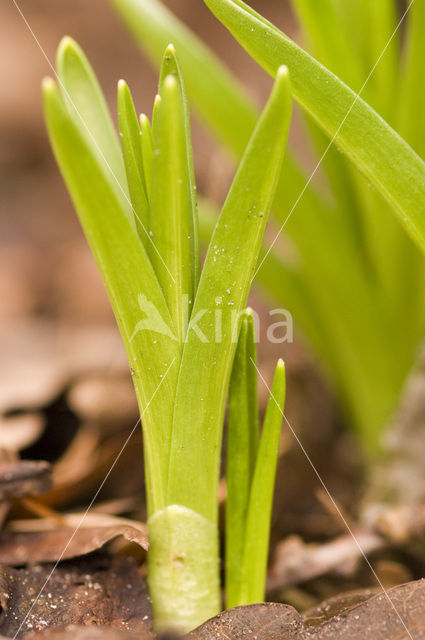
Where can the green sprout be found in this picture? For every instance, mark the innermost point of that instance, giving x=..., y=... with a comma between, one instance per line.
x=250, y=472
x=136, y=202
x=351, y=272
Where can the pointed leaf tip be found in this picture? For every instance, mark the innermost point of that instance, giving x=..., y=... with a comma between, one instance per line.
x=170, y=82
x=67, y=47
x=280, y=364
x=48, y=85
x=144, y=120
x=283, y=72
x=169, y=65
x=282, y=79
x=170, y=50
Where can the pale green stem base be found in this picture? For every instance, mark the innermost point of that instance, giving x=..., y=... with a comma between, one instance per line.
x=183, y=569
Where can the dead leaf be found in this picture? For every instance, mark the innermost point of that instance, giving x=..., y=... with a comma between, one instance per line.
x=390, y=616
x=296, y=561
x=403, y=523
x=37, y=541
x=337, y=605
x=269, y=621
x=106, y=400
x=73, y=632
x=20, y=431
x=41, y=358
x=386, y=616
x=96, y=590
x=24, y=478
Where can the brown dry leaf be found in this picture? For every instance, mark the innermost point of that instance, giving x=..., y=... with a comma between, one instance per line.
x=106, y=400
x=89, y=458
x=96, y=590
x=403, y=523
x=20, y=478
x=46, y=369
x=73, y=632
x=296, y=561
x=24, y=478
x=393, y=616
x=40, y=359
x=390, y=616
x=20, y=431
x=268, y=621
x=337, y=605
x=36, y=541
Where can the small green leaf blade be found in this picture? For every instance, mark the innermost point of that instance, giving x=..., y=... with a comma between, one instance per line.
x=376, y=149
x=87, y=106
x=171, y=66
x=223, y=291
x=133, y=289
x=228, y=112
x=131, y=145
x=242, y=444
x=217, y=92
x=172, y=205
x=254, y=567
x=147, y=151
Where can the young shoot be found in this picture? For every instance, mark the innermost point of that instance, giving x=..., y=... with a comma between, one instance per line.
x=250, y=471
x=346, y=261
x=137, y=206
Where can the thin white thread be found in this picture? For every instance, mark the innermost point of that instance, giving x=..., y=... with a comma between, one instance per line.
x=91, y=503
x=91, y=135
x=333, y=139
x=334, y=503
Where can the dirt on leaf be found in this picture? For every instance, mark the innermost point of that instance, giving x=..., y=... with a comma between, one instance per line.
x=96, y=590
x=398, y=614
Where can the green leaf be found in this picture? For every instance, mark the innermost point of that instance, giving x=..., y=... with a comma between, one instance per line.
x=256, y=549
x=131, y=284
x=242, y=445
x=131, y=145
x=376, y=149
x=334, y=236
x=216, y=89
x=172, y=202
x=280, y=280
x=371, y=26
x=170, y=66
x=221, y=296
x=87, y=107
x=382, y=48
x=411, y=95
x=216, y=94
x=330, y=24
x=154, y=26
x=324, y=28
x=147, y=151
